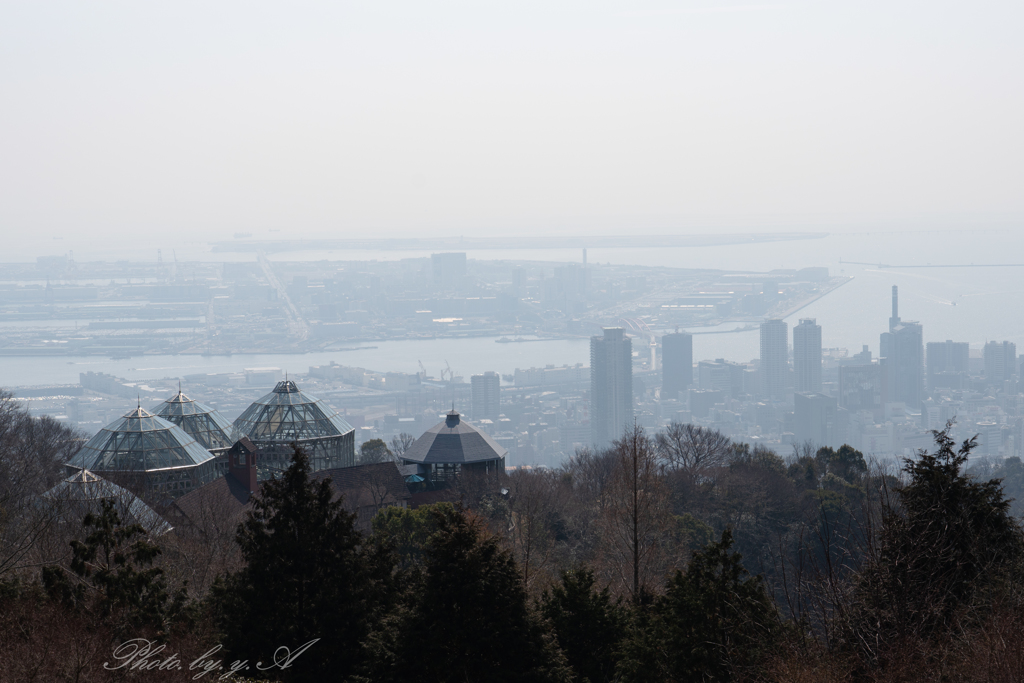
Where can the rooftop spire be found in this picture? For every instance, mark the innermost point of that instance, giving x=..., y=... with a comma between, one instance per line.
x=895, y=319
x=452, y=419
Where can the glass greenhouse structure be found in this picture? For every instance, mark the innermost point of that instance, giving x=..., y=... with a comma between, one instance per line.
x=144, y=450
x=84, y=492
x=204, y=424
x=286, y=416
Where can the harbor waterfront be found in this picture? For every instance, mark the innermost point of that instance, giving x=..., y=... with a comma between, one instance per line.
x=846, y=314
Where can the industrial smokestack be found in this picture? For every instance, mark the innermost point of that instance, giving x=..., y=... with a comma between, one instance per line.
x=895, y=319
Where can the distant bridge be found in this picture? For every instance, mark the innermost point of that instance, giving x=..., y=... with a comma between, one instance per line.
x=938, y=265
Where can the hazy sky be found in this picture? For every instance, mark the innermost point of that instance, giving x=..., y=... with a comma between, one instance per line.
x=435, y=117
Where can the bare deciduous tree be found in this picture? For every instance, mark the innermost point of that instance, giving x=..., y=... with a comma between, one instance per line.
x=400, y=444
x=580, y=498
x=32, y=454
x=203, y=546
x=591, y=472
x=531, y=498
x=637, y=517
x=378, y=485
x=375, y=451
x=692, y=449
x=805, y=449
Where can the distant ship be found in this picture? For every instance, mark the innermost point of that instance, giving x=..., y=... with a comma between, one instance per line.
x=503, y=340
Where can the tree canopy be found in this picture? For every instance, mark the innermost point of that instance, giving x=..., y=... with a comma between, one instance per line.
x=308, y=575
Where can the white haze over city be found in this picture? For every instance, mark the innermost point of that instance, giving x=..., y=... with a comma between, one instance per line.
x=531, y=118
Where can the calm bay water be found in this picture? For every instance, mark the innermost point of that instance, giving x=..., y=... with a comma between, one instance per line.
x=465, y=356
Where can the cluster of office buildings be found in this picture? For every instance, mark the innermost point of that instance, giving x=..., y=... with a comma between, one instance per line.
x=798, y=392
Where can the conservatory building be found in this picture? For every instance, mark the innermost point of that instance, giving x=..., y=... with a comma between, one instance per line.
x=212, y=430
x=145, y=452
x=286, y=416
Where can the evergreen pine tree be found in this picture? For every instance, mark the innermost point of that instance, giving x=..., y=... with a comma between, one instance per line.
x=588, y=625
x=947, y=543
x=713, y=622
x=111, y=575
x=470, y=620
x=308, y=576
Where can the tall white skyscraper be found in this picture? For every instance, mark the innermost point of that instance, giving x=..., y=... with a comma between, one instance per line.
x=611, y=386
x=486, y=396
x=807, y=355
x=901, y=352
x=774, y=359
x=676, y=364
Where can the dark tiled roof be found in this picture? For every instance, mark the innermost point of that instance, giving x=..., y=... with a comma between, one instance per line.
x=454, y=441
x=245, y=446
x=363, y=485
x=224, y=497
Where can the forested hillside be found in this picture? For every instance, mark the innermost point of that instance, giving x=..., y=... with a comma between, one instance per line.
x=677, y=556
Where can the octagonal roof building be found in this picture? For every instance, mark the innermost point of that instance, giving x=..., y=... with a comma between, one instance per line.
x=213, y=431
x=287, y=415
x=142, y=450
x=455, y=446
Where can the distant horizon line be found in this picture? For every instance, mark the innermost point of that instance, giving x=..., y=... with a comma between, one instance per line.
x=243, y=242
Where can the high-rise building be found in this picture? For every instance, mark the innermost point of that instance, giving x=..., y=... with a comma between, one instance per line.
x=774, y=359
x=676, y=364
x=947, y=364
x=807, y=355
x=860, y=388
x=700, y=401
x=902, y=349
x=886, y=338
x=448, y=269
x=948, y=356
x=486, y=390
x=814, y=418
x=1000, y=361
x=894, y=320
x=991, y=438
x=721, y=375
x=611, y=386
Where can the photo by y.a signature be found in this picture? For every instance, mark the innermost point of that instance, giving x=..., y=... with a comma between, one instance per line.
x=140, y=654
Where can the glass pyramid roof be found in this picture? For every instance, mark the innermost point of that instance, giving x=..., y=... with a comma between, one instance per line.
x=83, y=490
x=140, y=442
x=204, y=424
x=286, y=414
